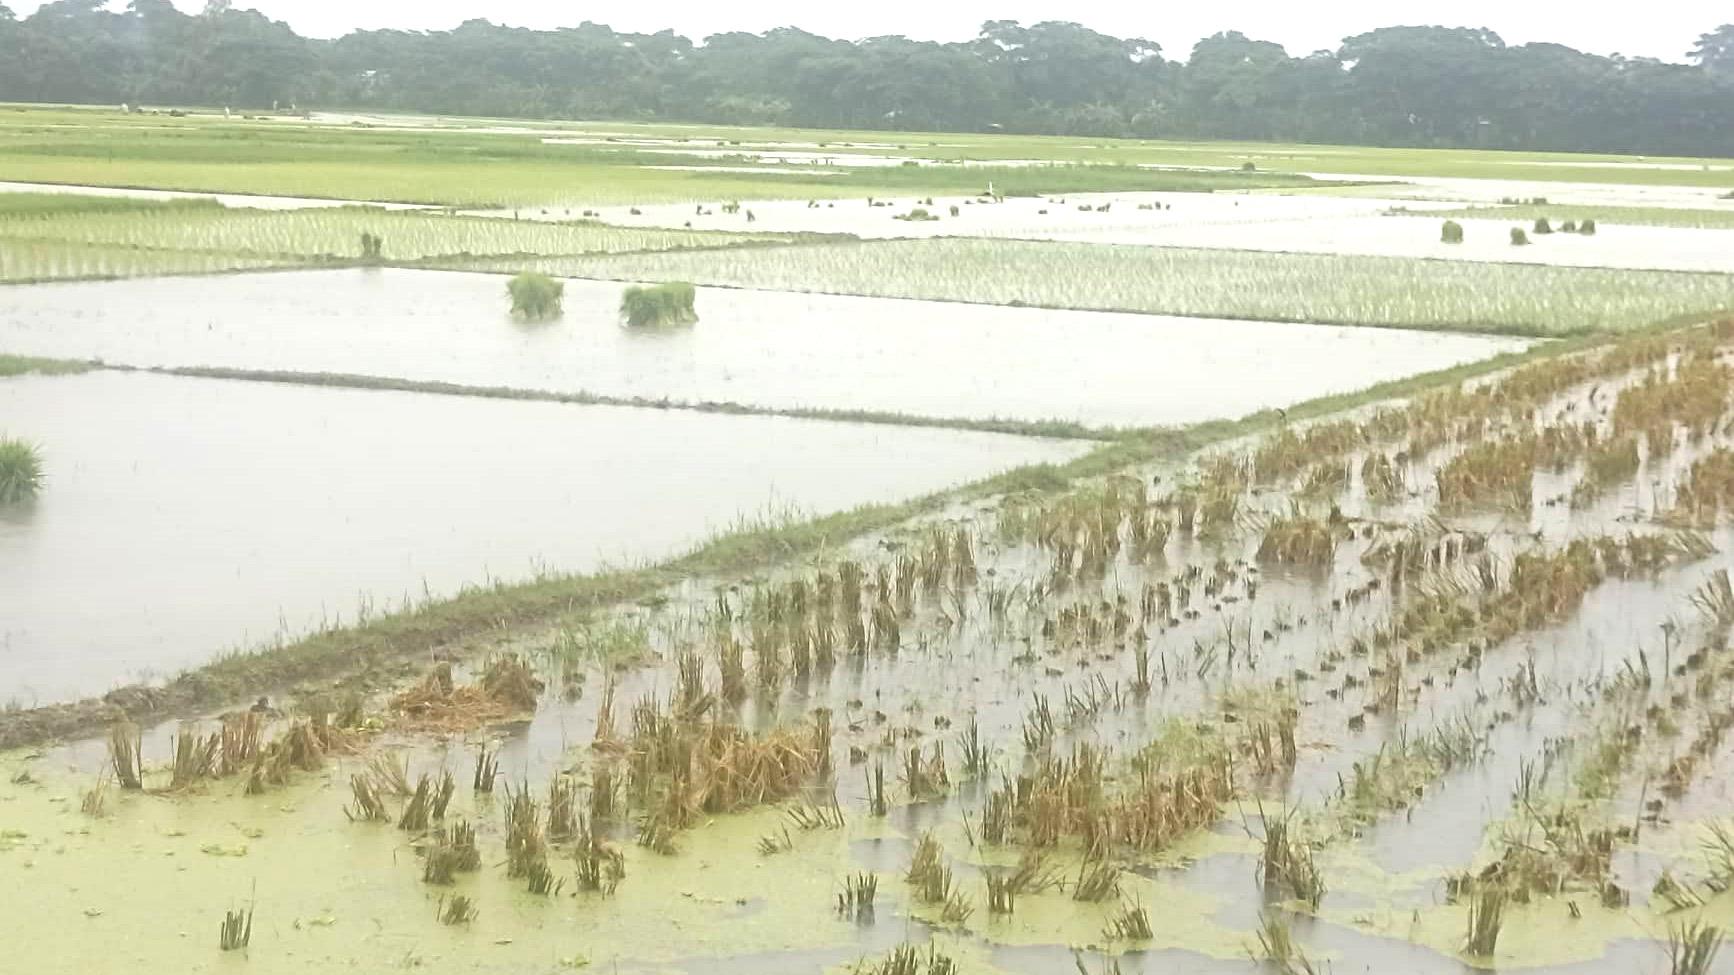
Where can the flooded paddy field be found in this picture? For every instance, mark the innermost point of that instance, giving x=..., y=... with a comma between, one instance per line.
x=763, y=348
x=183, y=517
x=1440, y=685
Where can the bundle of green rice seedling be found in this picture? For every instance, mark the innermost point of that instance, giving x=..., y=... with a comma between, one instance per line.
x=20, y=471
x=535, y=297
x=659, y=304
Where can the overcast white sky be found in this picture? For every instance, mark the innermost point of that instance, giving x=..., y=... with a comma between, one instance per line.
x=1661, y=28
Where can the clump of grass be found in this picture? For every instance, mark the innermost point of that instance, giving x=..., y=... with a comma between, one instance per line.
x=653, y=305
x=20, y=471
x=535, y=296
x=1451, y=232
x=237, y=930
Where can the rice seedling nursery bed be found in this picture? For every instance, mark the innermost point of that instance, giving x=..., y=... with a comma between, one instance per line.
x=1326, y=289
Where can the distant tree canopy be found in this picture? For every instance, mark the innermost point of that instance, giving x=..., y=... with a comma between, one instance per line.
x=1397, y=86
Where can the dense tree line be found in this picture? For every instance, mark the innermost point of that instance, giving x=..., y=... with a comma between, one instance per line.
x=1400, y=86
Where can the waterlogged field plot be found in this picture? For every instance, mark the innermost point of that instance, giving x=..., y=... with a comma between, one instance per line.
x=1439, y=687
x=1331, y=289
x=767, y=349
x=182, y=517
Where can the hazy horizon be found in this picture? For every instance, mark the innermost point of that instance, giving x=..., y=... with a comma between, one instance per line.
x=1666, y=31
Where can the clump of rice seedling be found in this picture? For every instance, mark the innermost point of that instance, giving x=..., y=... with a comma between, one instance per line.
x=1587, y=227
x=368, y=805
x=542, y=880
x=665, y=304
x=443, y=797
x=453, y=851
x=1096, y=883
x=487, y=770
x=1451, y=232
x=20, y=471
x=600, y=866
x=95, y=799
x=420, y=806
x=371, y=247
x=390, y=774
x=1692, y=947
x=1568, y=227
x=876, y=803
x=1486, y=917
x=856, y=898
x=917, y=215
x=509, y=680
x=1518, y=237
x=237, y=930
x=1542, y=226
x=1130, y=923
x=772, y=844
x=195, y=758
x=1001, y=893
x=562, y=809
x=1288, y=863
x=1298, y=540
x=125, y=755
x=524, y=846
x=535, y=297
x=1276, y=946
x=459, y=909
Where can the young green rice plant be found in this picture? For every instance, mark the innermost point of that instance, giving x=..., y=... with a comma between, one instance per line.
x=1130, y=923
x=20, y=471
x=125, y=755
x=659, y=305
x=458, y=909
x=237, y=930
x=1692, y=948
x=856, y=898
x=535, y=297
x=1451, y=232
x=367, y=805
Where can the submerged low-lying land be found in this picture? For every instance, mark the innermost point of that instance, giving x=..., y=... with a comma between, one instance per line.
x=1030, y=559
